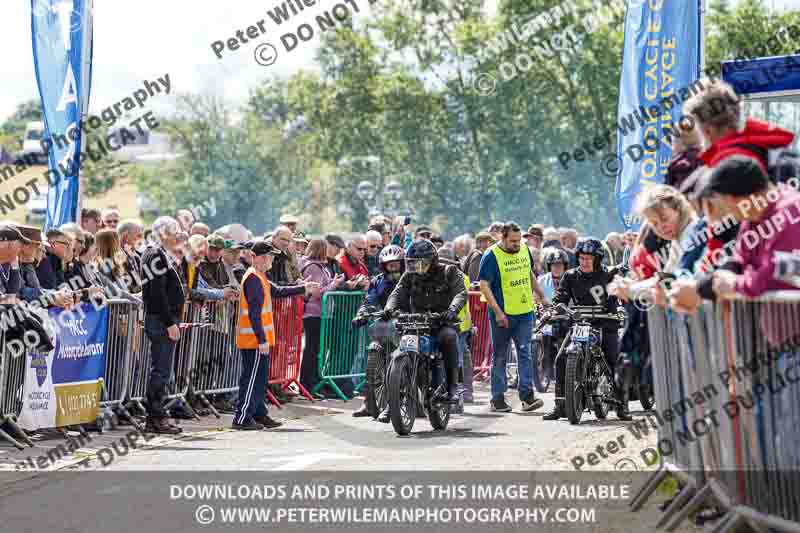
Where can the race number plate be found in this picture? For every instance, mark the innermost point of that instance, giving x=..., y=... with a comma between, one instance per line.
x=409, y=343
x=581, y=333
x=547, y=330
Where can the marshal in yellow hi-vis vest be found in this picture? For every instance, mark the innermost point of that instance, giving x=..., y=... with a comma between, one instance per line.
x=515, y=280
x=464, y=314
x=246, y=337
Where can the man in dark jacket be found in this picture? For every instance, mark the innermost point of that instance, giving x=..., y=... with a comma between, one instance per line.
x=211, y=267
x=51, y=268
x=11, y=241
x=428, y=286
x=163, y=298
x=587, y=286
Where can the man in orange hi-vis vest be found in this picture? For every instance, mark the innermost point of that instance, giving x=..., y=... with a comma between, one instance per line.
x=256, y=336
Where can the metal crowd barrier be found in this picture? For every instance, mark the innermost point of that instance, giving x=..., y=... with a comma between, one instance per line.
x=216, y=364
x=481, y=346
x=12, y=382
x=287, y=356
x=140, y=366
x=727, y=387
x=342, y=349
x=121, y=340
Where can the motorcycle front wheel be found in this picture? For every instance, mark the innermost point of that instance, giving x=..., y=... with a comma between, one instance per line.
x=402, y=396
x=574, y=400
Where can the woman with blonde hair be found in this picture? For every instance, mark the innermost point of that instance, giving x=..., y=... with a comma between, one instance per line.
x=110, y=265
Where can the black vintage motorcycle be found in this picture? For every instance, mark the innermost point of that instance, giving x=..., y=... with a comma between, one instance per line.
x=589, y=382
x=416, y=374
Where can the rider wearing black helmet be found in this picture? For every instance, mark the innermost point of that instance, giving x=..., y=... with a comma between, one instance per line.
x=587, y=285
x=428, y=286
x=392, y=266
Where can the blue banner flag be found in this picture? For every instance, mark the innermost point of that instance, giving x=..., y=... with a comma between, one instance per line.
x=62, y=54
x=660, y=63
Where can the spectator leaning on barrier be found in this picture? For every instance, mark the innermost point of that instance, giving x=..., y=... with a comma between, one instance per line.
x=352, y=264
x=109, y=265
x=90, y=220
x=335, y=246
x=508, y=284
x=83, y=277
x=718, y=112
x=770, y=222
x=230, y=260
x=131, y=239
x=374, y=245
x=199, y=288
x=51, y=268
x=163, y=298
x=282, y=272
x=256, y=337
x=11, y=241
x=30, y=289
x=211, y=267
x=316, y=269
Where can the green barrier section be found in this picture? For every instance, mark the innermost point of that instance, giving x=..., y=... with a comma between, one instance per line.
x=342, y=349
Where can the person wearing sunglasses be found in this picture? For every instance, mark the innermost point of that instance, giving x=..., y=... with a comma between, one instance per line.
x=352, y=264
x=374, y=247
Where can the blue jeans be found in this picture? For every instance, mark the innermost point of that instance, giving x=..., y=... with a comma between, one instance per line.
x=520, y=329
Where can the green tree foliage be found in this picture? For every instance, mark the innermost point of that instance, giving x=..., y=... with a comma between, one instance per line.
x=13, y=128
x=398, y=87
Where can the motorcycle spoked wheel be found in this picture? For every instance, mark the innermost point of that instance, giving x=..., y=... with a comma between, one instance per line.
x=574, y=400
x=402, y=396
x=376, y=382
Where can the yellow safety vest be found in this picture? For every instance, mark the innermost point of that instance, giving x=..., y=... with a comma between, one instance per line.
x=246, y=337
x=515, y=280
x=464, y=314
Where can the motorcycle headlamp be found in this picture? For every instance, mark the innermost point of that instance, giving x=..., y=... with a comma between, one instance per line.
x=418, y=266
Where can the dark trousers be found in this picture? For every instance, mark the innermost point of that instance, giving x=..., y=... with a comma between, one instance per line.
x=162, y=354
x=309, y=368
x=252, y=386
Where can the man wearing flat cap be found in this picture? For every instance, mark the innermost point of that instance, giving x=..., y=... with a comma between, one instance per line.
x=211, y=268
x=30, y=289
x=10, y=245
x=234, y=269
x=256, y=337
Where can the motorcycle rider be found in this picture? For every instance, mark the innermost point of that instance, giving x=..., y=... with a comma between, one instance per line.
x=554, y=262
x=428, y=286
x=587, y=285
x=392, y=264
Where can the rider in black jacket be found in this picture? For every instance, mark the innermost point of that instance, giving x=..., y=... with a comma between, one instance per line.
x=428, y=286
x=587, y=285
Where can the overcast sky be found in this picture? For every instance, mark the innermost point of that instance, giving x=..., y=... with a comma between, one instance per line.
x=155, y=37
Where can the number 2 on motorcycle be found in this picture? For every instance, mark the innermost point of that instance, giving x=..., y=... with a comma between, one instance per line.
x=409, y=343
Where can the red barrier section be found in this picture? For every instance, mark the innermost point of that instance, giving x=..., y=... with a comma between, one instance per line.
x=481, y=346
x=286, y=356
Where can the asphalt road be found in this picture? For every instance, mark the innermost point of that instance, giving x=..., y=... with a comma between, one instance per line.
x=123, y=489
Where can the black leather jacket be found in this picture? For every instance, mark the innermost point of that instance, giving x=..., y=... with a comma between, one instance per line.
x=579, y=288
x=439, y=291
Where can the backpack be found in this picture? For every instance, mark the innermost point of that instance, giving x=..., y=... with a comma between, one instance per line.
x=782, y=164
